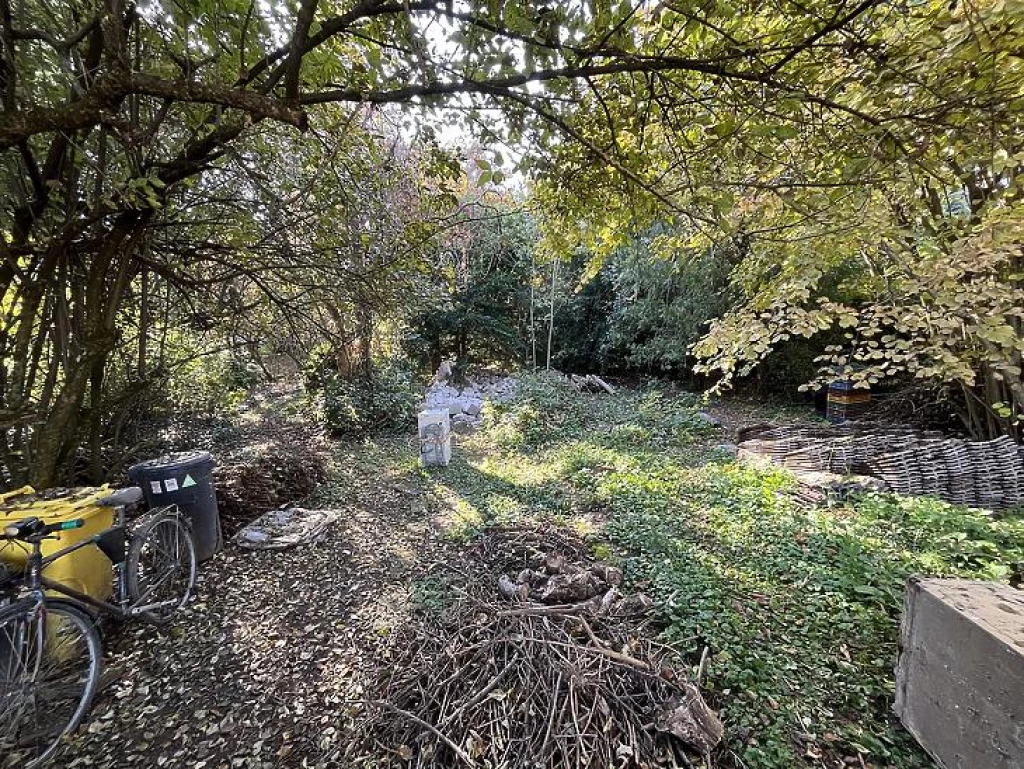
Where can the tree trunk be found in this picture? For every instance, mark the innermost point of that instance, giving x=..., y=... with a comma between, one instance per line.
x=551, y=317
x=96, y=468
x=56, y=437
x=533, y=327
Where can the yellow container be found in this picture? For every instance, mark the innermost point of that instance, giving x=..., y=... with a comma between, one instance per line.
x=86, y=570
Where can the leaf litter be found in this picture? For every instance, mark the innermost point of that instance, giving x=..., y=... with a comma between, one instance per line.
x=387, y=644
x=256, y=670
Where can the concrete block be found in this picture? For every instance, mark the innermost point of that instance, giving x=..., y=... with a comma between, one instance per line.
x=960, y=676
x=435, y=431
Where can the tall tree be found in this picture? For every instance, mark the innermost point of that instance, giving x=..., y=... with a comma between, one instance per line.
x=885, y=148
x=737, y=117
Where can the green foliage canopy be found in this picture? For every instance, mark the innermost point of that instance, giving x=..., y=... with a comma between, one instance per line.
x=885, y=148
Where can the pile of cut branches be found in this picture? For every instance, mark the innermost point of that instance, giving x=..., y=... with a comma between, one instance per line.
x=260, y=480
x=524, y=681
x=582, y=382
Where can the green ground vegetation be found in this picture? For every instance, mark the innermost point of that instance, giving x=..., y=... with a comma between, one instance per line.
x=798, y=607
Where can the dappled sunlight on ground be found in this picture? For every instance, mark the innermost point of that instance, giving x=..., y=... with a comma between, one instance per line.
x=794, y=609
x=261, y=669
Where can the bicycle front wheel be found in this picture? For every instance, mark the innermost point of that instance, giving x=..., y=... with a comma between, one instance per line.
x=161, y=567
x=50, y=656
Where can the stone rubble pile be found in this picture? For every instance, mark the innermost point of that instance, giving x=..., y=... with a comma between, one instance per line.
x=466, y=403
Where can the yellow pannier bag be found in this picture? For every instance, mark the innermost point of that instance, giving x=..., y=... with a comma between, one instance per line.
x=87, y=569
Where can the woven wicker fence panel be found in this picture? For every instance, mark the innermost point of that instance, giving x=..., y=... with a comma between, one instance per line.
x=986, y=474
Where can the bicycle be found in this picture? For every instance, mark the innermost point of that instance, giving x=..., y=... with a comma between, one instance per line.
x=50, y=647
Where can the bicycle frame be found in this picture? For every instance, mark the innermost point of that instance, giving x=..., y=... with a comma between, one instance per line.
x=35, y=582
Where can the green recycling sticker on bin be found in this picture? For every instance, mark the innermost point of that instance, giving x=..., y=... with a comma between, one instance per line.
x=187, y=482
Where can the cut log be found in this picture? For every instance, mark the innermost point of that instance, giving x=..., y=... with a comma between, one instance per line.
x=637, y=603
x=603, y=384
x=691, y=720
x=607, y=600
x=608, y=574
x=554, y=563
x=570, y=588
x=511, y=591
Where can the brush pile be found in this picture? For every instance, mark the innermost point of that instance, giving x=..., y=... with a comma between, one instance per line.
x=251, y=483
x=541, y=661
x=582, y=383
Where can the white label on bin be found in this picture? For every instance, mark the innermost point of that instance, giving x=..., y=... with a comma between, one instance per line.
x=171, y=484
x=155, y=487
x=187, y=482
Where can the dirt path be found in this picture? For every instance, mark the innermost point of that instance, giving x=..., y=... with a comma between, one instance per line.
x=257, y=671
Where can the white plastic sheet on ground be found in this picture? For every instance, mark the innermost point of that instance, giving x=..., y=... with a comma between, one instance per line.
x=282, y=529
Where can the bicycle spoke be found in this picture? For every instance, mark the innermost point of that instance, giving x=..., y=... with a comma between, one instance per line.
x=12, y=697
x=50, y=661
x=153, y=587
x=155, y=544
x=163, y=567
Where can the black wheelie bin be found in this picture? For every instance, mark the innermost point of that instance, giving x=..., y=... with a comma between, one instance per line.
x=184, y=479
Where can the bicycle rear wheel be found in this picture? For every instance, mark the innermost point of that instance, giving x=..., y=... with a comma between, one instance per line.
x=161, y=566
x=50, y=656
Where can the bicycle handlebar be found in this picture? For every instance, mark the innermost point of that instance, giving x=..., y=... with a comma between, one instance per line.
x=34, y=527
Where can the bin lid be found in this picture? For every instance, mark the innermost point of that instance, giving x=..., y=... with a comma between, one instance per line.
x=52, y=504
x=178, y=460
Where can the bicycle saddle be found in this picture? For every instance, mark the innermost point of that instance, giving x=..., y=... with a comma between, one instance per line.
x=122, y=497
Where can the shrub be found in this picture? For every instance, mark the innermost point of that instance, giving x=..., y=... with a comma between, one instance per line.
x=212, y=384
x=387, y=398
x=546, y=411
x=663, y=300
x=541, y=411
x=321, y=366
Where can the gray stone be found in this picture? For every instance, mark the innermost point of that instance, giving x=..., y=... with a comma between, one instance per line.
x=960, y=677
x=463, y=424
x=728, y=448
x=710, y=419
x=470, y=399
x=444, y=372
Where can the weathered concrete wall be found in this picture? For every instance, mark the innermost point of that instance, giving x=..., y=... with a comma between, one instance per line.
x=960, y=678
